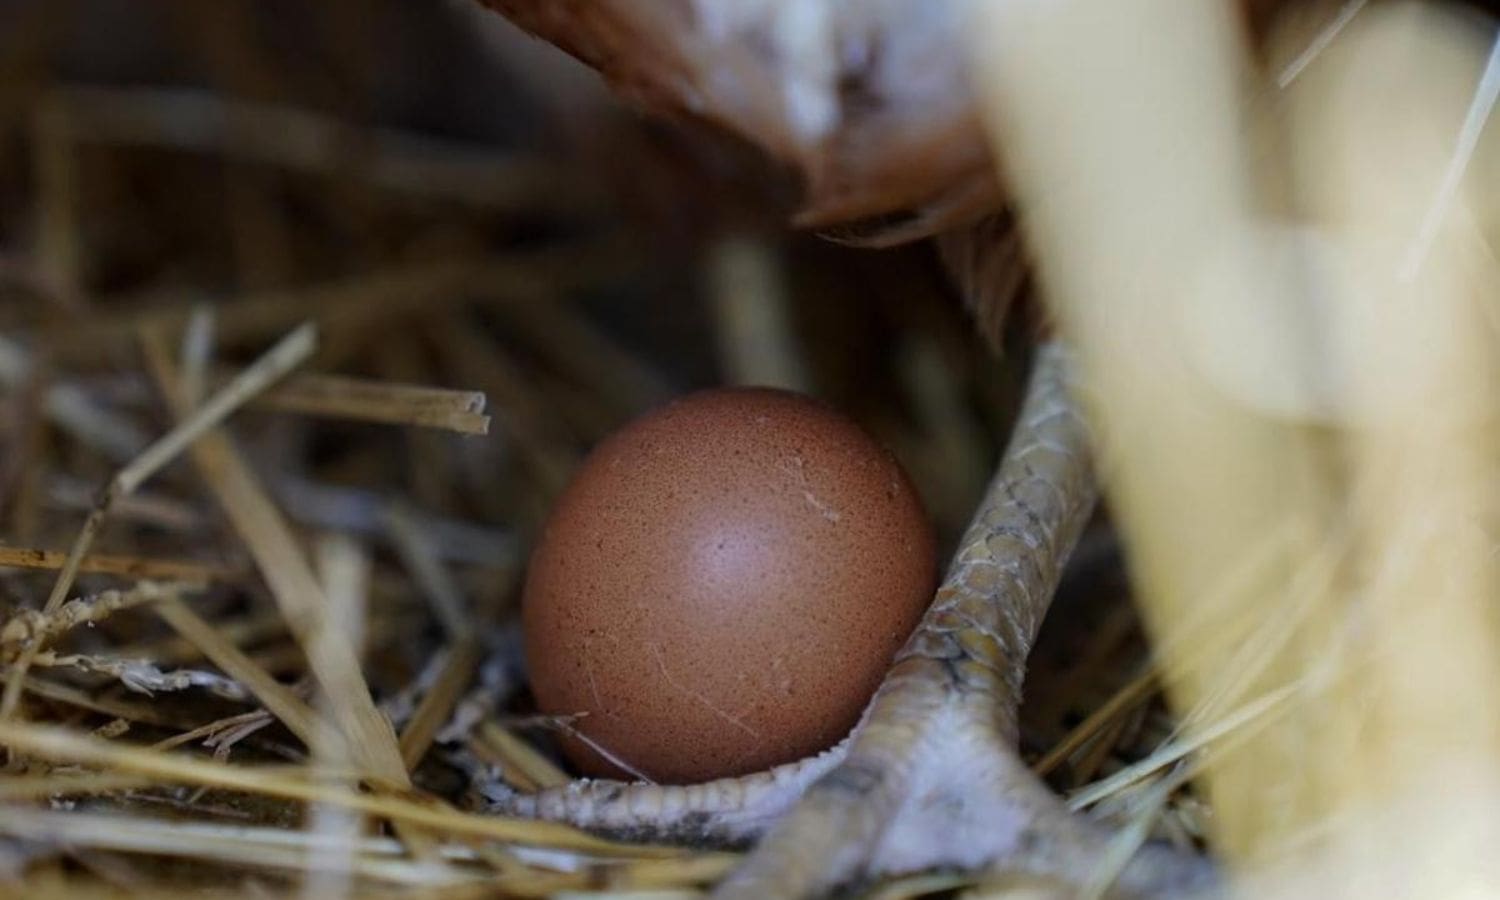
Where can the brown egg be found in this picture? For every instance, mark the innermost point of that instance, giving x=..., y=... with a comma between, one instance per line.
x=722, y=586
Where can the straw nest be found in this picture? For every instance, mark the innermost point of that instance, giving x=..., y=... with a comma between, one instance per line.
x=306, y=314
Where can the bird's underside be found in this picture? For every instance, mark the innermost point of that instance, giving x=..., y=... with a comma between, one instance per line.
x=868, y=101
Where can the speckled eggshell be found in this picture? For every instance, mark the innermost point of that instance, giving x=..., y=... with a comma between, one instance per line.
x=723, y=585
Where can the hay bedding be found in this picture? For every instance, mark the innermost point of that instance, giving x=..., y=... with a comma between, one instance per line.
x=297, y=351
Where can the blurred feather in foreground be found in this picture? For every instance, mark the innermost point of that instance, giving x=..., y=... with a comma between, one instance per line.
x=1298, y=409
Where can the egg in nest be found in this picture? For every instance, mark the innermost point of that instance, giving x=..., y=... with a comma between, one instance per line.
x=722, y=586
